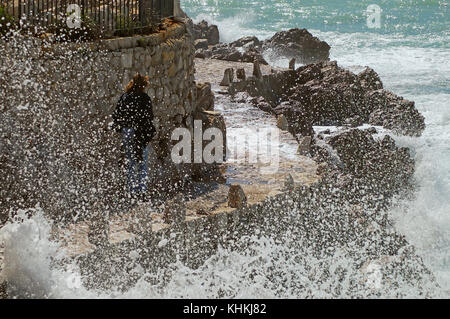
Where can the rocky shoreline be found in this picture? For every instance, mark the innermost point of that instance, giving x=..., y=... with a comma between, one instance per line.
x=324, y=94
x=343, y=212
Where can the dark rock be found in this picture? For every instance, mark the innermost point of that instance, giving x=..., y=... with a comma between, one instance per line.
x=395, y=113
x=292, y=64
x=228, y=52
x=289, y=183
x=282, y=123
x=304, y=145
x=205, y=97
x=299, y=122
x=257, y=70
x=240, y=74
x=204, y=31
x=200, y=54
x=299, y=44
x=228, y=77
x=237, y=197
x=213, y=35
x=204, y=172
x=370, y=80
x=201, y=44
x=262, y=104
x=326, y=94
x=234, y=56
x=381, y=164
x=245, y=41
x=252, y=55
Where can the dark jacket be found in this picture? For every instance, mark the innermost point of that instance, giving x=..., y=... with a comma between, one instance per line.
x=135, y=110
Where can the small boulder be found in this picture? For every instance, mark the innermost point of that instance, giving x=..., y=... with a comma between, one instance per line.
x=246, y=41
x=237, y=197
x=240, y=74
x=299, y=44
x=289, y=182
x=304, y=146
x=213, y=35
x=292, y=64
x=257, y=70
x=201, y=44
x=233, y=56
x=282, y=123
x=205, y=96
x=228, y=77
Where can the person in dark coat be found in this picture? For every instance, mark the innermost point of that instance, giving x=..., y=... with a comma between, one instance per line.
x=133, y=118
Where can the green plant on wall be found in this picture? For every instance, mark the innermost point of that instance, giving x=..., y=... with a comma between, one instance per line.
x=126, y=26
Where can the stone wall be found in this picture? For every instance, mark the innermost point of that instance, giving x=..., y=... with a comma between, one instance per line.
x=56, y=143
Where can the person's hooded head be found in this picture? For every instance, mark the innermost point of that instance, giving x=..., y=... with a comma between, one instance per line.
x=138, y=84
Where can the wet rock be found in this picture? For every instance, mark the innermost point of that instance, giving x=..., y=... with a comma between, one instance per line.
x=381, y=164
x=252, y=55
x=203, y=30
x=211, y=172
x=292, y=64
x=175, y=210
x=245, y=41
x=262, y=104
x=304, y=145
x=257, y=70
x=228, y=77
x=201, y=44
x=217, y=120
x=325, y=94
x=242, y=97
x=205, y=96
x=213, y=35
x=289, y=182
x=299, y=121
x=237, y=197
x=234, y=56
x=299, y=44
x=282, y=123
x=370, y=80
x=240, y=74
x=395, y=113
x=200, y=54
x=228, y=52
